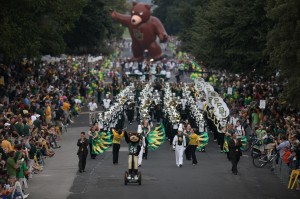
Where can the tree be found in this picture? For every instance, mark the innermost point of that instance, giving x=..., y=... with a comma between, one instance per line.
x=95, y=26
x=29, y=28
x=176, y=14
x=283, y=45
x=229, y=34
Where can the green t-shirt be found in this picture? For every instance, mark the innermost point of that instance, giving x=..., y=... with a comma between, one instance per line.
x=255, y=118
x=26, y=130
x=23, y=167
x=19, y=128
x=10, y=164
x=260, y=134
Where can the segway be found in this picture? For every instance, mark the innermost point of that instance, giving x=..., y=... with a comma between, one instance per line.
x=132, y=178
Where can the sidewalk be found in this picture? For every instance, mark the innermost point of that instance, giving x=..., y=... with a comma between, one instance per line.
x=59, y=171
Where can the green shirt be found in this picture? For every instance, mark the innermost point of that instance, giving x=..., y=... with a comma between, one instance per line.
x=255, y=118
x=19, y=128
x=23, y=167
x=260, y=134
x=26, y=130
x=10, y=164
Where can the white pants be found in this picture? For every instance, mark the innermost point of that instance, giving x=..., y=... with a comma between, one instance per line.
x=141, y=152
x=23, y=182
x=31, y=162
x=18, y=187
x=179, y=154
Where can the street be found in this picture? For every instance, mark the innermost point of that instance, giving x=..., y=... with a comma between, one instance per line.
x=161, y=178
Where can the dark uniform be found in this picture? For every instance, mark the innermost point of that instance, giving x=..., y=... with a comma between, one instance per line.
x=82, y=153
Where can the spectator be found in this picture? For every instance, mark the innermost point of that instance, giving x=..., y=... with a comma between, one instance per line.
x=282, y=145
x=6, y=145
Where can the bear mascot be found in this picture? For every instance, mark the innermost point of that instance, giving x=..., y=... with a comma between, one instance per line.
x=134, y=148
x=143, y=29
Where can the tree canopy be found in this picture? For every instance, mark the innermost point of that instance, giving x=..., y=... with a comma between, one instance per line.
x=29, y=28
x=95, y=26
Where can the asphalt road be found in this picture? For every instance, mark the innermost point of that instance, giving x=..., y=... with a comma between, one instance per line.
x=161, y=178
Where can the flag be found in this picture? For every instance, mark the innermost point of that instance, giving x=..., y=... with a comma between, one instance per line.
x=156, y=137
x=102, y=142
x=203, y=140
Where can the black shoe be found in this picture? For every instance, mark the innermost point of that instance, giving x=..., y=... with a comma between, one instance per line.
x=83, y=170
x=180, y=165
x=188, y=159
x=80, y=171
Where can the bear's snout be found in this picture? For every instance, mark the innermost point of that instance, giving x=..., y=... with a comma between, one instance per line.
x=135, y=19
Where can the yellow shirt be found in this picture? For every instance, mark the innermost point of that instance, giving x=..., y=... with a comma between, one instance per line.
x=48, y=112
x=6, y=146
x=65, y=106
x=193, y=139
x=117, y=136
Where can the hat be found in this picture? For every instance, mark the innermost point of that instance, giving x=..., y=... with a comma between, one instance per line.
x=7, y=124
x=139, y=130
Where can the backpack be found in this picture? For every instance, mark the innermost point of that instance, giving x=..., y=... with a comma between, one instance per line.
x=286, y=156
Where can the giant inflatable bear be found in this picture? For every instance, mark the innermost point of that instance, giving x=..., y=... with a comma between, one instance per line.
x=143, y=29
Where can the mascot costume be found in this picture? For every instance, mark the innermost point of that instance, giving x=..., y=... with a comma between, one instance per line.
x=143, y=29
x=134, y=148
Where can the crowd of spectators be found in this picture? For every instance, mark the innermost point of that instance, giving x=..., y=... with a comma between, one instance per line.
x=37, y=103
x=255, y=102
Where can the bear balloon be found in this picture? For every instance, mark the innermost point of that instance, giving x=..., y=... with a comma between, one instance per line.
x=144, y=29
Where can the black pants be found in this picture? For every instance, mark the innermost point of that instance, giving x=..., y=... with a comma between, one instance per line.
x=116, y=148
x=188, y=152
x=93, y=156
x=145, y=155
x=216, y=133
x=82, y=160
x=193, y=152
x=234, y=161
x=130, y=115
x=221, y=140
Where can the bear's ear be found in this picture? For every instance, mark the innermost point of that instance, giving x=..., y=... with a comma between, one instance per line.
x=148, y=6
x=134, y=3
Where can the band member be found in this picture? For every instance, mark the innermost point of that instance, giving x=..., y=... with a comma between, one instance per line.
x=106, y=102
x=117, y=135
x=130, y=110
x=202, y=129
x=142, y=144
x=234, y=152
x=93, y=134
x=187, y=133
x=179, y=144
x=174, y=131
x=183, y=111
x=146, y=72
x=146, y=130
x=193, y=144
x=82, y=152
